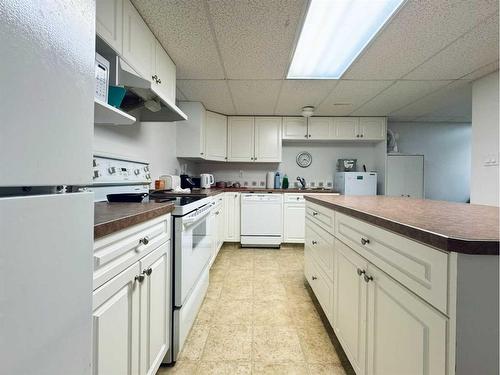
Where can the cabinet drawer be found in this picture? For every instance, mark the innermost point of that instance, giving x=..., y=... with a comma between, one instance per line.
x=293, y=198
x=321, y=285
x=320, y=215
x=115, y=252
x=320, y=244
x=421, y=269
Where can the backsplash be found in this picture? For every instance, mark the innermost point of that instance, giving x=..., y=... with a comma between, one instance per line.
x=319, y=173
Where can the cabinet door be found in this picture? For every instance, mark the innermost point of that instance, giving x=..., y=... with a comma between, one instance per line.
x=372, y=128
x=345, y=128
x=405, y=176
x=240, y=133
x=221, y=217
x=268, y=139
x=232, y=223
x=215, y=136
x=320, y=128
x=405, y=334
x=155, y=309
x=190, y=134
x=108, y=25
x=294, y=128
x=116, y=325
x=138, y=42
x=349, y=304
x=294, y=222
x=165, y=72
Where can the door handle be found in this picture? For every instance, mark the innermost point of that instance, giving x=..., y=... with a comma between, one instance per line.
x=139, y=278
x=360, y=271
x=364, y=241
x=148, y=271
x=314, y=278
x=368, y=278
x=314, y=242
x=144, y=241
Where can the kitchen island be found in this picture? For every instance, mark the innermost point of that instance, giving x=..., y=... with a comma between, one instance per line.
x=409, y=286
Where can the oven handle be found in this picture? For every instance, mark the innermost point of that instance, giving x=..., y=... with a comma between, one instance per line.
x=188, y=222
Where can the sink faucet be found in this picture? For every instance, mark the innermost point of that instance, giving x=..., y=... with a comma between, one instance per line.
x=302, y=181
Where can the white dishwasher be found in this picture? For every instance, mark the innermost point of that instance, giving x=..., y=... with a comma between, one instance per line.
x=261, y=220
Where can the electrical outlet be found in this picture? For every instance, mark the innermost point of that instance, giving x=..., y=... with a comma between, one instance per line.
x=321, y=184
x=254, y=183
x=262, y=184
x=245, y=183
x=490, y=160
x=329, y=184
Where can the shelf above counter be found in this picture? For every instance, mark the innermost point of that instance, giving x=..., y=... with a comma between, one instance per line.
x=105, y=114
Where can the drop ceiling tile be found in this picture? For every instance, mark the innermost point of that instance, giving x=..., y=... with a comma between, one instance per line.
x=475, y=49
x=183, y=29
x=349, y=95
x=214, y=94
x=454, y=99
x=255, y=97
x=296, y=94
x=397, y=96
x=482, y=71
x=256, y=37
x=417, y=32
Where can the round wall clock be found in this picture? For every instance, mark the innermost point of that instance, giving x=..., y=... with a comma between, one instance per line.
x=304, y=159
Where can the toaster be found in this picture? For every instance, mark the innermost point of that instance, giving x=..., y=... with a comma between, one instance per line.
x=172, y=182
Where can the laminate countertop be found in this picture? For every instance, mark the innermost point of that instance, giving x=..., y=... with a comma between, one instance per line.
x=453, y=227
x=211, y=192
x=112, y=217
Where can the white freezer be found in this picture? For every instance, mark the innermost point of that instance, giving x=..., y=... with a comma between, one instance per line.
x=356, y=183
x=46, y=288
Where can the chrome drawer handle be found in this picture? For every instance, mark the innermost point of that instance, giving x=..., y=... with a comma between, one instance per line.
x=360, y=271
x=364, y=241
x=314, y=278
x=314, y=213
x=139, y=278
x=314, y=242
x=144, y=241
x=148, y=271
x=368, y=278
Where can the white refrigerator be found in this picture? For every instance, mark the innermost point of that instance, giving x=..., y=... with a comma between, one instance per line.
x=356, y=183
x=46, y=129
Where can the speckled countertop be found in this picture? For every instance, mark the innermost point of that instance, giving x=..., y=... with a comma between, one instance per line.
x=457, y=227
x=215, y=191
x=112, y=217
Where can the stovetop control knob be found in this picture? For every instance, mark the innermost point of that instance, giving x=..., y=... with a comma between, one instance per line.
x=112, y=170
x=96, y=174
x=146, y=169
x=148, y=176
x=137, y=171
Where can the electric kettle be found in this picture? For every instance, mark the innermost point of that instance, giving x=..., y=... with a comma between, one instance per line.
x=206, y=180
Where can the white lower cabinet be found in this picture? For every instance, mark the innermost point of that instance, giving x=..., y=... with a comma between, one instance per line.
x=294, y=222
x=131, y=312
x=232, y=217
x=404, y=334
x=350, y=299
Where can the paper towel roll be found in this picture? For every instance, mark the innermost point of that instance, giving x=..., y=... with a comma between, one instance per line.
x=270, y=180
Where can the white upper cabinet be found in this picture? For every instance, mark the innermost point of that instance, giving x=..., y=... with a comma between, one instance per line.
x=164, y=75
x=267, y=139
x=294, y=128
x=215, y=136
x=320, y=128
x=346, y=128
x=372, y=128
x=108, y=24
x=240, y=133
x=139, y=43
x=191, y=133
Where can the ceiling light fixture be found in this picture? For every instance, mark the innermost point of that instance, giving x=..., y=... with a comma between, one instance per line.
x=334, y=34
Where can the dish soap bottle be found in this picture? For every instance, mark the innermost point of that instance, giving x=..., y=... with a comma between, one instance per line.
x=285, y=182
x=277, y=180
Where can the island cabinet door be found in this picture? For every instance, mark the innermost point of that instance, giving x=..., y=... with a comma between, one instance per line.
x=155, y=309
x=349, y=304
x=116, y=325
x=405, y=335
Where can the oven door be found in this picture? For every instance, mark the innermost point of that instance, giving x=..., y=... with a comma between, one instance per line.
x=193, y=250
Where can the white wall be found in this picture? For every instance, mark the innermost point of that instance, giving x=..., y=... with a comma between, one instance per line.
x=153, y=142
x=485, y=142
x=447, y=156
x=324, y=160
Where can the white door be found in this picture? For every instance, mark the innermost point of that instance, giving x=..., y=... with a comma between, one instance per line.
x=116, y=317
x=164, y=84
x=294, y=128
x=155, y=308
x=345, y=128
x=349, y=304
x=320, y=128
x=138, y=42
x=46, y=292
x=47, y=92
x=405, y=334
x=372, y=128
x=268, y=139
x=240, y=133
x=108, y=25
x=215, y=136
x=294, y=222
x=232, y=217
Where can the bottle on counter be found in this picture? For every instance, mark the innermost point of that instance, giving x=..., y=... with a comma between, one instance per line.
x=285, y=182
x=277, y=180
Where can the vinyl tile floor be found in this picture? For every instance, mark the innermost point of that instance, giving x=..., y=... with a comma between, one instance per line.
x=259, y=318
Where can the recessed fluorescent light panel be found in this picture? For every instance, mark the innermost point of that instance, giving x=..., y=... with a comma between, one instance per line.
x=334, y=34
